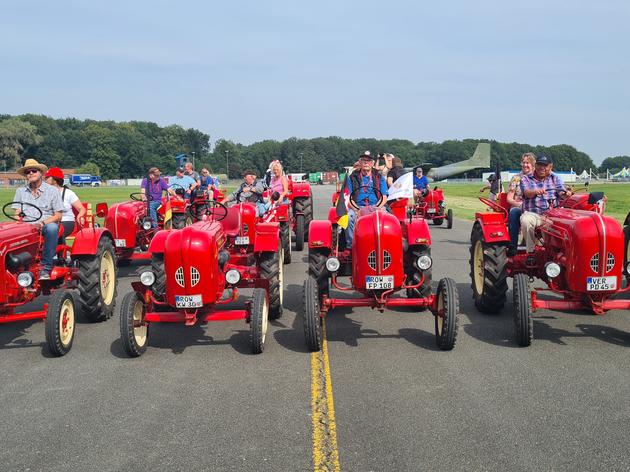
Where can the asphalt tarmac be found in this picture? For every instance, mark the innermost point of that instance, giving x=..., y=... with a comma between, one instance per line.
x=198, y=400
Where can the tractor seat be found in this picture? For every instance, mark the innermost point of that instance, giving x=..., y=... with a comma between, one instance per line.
x=232, y=221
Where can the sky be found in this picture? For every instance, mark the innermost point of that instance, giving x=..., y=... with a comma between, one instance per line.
x=538, y=72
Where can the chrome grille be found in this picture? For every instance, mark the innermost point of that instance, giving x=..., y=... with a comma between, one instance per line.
x=610, y=262
x=194, y=276
x=387, y=259
x=595, y=262
x=372, y=260
x=179, y=276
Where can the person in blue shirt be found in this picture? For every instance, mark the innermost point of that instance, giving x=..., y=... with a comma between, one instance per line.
x=182, y=180
x=420, y=183
x=367, y=179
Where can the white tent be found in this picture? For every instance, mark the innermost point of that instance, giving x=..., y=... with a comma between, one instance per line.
x=584, y=175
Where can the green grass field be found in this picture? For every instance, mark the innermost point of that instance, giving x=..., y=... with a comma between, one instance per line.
x=464, y=198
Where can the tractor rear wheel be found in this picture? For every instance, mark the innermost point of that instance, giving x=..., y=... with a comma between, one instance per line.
x=311, y=315
x=305, y=206
x=258, y=320
x=285, y=237
x=523, y=323
x=60, y=322
x=449, y=219
x=317, y=269
x=415, y=275
x=488, y=272
x=271, y=268
x=299, y=232
x=97, y=282
x=134, y=330
x=447, y=315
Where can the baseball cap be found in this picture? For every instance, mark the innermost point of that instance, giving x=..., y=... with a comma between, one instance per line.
x=542, y=159
x=366, y=155
x=180, y=169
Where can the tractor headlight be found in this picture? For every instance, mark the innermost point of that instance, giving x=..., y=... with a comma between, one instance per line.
x=424, y=262
x=25, y=279
x=232, y=276
x=552, y=270
x=147, y=278
x=442, y=204
x=332, y=264
x=146, y=225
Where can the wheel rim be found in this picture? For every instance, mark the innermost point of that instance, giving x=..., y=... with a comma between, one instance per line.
x=139, y=326
x=108, y=278
x=478, y=267
x=265, y=319
x=439, y=317
x=281, y=276
x=66, y=322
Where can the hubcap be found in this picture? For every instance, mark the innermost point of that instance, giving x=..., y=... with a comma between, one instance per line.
x=108, y=281
x=139, y=326
x=478, y=267
x=66, y=322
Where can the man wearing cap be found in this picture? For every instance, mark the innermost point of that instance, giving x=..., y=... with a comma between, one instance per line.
x=367, y=179
x=251, y=190
x=182, y=180
x=541, y=191
x=48, y=200
x=420, y=182
x=152, y=189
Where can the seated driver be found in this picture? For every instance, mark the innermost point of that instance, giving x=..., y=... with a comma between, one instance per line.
x=540, y=191
x=420, y=183
x=368, y=178
x=251, y=190
x=48, y=199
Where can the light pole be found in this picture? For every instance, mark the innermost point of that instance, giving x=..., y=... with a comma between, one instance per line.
x=193, y=157
x=301, y=162
x=227, y=167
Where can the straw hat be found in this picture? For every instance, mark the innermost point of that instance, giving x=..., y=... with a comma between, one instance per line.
x=32, y=164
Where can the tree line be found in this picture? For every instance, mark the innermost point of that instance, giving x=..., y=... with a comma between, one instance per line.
x=128, y=149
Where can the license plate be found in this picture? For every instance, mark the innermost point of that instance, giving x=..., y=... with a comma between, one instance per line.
x=242, y=240
x=431, y=210
x=120, y=242
x=598, y=284
x=375, y=282
x=188, y=301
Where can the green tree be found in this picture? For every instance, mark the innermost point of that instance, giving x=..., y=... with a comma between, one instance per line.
x=614, y=164
x=88, y=168
x=17, y=137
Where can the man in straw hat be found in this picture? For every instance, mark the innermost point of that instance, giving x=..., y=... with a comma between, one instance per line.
x=47, y=199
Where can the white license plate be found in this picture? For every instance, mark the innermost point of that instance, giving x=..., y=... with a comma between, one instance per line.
x=120, y=242
x=376, y=282
x=598, y=284
x=242, y=240
x=431, y=210
x=188, y=301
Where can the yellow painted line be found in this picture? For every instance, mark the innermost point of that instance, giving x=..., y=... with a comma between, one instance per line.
x=325, y=452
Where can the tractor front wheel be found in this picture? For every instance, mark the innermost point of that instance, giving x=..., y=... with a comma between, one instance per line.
x=299, y=232
x=60, y=322
x=97, y=282
x=311, y=315
x=271, y=268
x=415, y=275
x=258, y=320
x=179, y=220
x=488, y=272
x=157, y=267
x=447, y=314
x=285, y=237
x=626, y=233
x=317, y=269
x=449, y=219
x=134, y=330
x=523, y=323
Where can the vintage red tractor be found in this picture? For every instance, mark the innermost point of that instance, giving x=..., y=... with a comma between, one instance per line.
x=301, y=211
x=580, y=258
x=89, y=266
x=388, y=256
x=431, y=205
x=197, y=270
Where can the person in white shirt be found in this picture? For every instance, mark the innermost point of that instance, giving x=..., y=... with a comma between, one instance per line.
x=70, y=201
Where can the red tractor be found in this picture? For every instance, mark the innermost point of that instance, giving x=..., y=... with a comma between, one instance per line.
x=432, y=206
x=388, y=255
x=281, y=214
x=301, y=211
x=197, y=270
x=580, y=257
x=89, y=266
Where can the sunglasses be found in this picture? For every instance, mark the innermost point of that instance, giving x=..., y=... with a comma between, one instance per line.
x=30, y=171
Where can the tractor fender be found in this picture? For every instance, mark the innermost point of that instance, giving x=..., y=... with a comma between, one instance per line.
x=418, y=232
x=301, y=190
x=332, y=215
x=267, y=237
x=282, y=212
x=320, y=234
x=493, y=227
x=158, y=242
x=86, y=241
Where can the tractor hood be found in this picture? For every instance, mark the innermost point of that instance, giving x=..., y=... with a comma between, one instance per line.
x=377, y=247
x=122, y=221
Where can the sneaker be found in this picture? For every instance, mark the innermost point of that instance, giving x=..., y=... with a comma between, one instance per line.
x=44, y=274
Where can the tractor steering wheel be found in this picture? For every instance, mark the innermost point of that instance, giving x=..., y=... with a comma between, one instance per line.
x=178, y=189
x=21, y=215
x=211, y=210
x=137, y=197
x=354, y=195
